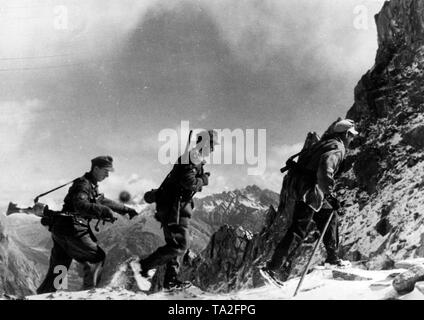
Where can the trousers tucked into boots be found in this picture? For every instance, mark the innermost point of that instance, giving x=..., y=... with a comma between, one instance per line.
x=177, y=240
x=83, y=249
x=303, y=216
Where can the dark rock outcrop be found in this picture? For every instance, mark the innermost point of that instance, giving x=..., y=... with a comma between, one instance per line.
x=405, y=282
x=415, y=137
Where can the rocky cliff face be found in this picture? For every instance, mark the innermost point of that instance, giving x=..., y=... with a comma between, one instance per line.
x=232, y=259
x=242, y=207
x=384, y=192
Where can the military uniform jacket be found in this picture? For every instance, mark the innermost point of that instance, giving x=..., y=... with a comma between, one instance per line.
x=323, y=162
x=84, y=202
x=176, y=192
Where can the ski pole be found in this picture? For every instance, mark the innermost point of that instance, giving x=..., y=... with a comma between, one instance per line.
x=313, y=253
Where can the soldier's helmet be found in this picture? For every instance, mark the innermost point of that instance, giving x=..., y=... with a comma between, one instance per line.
x=213, y=137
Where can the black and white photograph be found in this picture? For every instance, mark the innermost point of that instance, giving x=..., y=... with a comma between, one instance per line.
x=192, y=151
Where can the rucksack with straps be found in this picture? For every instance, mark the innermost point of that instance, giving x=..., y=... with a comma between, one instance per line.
x=160, y=194
x=311, y=140
x=49, y=216
x=167, y=195
x=313, y=148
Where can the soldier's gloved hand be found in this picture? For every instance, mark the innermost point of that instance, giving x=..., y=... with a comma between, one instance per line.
x=205, y=178
x=332, y=200
x=341, y=212
x=131, y=213
x=107, y=214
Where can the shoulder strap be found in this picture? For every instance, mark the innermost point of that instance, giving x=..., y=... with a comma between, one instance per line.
x=185, y=157
x=50, y=191
x=321, y=147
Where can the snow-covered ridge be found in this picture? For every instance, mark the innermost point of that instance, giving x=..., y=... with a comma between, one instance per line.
x=351, y=283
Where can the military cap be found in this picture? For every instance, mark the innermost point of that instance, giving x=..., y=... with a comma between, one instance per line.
x=345, y=125
x=103, y=162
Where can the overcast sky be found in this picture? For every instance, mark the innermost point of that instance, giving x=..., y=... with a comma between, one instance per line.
x=84, y=78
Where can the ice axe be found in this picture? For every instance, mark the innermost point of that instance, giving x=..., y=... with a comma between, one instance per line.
x=313, y=253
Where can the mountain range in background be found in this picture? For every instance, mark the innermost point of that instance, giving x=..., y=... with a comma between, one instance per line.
x=18, y=274
x=142, y=235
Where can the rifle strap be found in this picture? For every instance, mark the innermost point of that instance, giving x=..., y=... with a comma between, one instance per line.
x=50, y=191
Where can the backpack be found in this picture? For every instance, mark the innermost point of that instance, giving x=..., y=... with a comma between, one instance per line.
x=311, y=140
x=157, y=195
x=313, y=147
x=163, y=194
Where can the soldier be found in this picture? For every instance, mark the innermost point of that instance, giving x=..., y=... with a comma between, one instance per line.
x=309, y=188
x=72, y=235
x=174, y=205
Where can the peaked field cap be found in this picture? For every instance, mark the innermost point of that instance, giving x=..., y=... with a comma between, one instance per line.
x=345, y=125
x=213, y=136
x=103, y=162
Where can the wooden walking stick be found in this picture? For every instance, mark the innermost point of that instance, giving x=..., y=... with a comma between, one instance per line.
x=313, y=253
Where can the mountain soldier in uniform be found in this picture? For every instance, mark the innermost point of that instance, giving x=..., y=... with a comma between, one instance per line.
x=174, y=205
x=308, y=195
x=72, y=235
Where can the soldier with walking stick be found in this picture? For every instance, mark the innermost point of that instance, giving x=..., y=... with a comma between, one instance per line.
x=309, y=197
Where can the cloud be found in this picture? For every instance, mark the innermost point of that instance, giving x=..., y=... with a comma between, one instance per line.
x=279, y=155
x=66, y=32
x=268, y=33
x=229, y=177
x=121, y=143
x=277, y=158
x=133, y=183
x=218, y=184
x=300, y=55
x=20, y=130
x=256, y=31
x=16, y=118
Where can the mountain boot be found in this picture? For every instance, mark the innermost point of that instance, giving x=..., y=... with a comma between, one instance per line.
x=176, y=285
x=143, y=271
x=337, y=262
x=312, y=237
x=271, y=276
x=142, y=275
x=92, y=274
